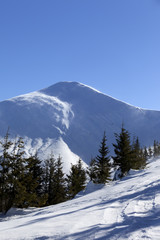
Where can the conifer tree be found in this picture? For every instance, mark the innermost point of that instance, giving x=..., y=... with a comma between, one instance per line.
x=59, y=187
x=145, y=156
x=18, y=173
x=31, y=184
x=6, y=183
x=136, y=146
x=92, y=170
x=156, y=149
x=136, y=153
x=99, y=169
x=123, y=152
x=49, y=178
x=14, y=178
x=35, y=186
x=76, y=179
x=139, y=155
x=150, y=152
x=103, y=162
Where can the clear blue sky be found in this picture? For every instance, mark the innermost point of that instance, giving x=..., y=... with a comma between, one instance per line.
x=111, y=45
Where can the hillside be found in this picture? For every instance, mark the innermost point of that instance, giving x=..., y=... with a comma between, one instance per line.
x=127, y=209
x=73, y=115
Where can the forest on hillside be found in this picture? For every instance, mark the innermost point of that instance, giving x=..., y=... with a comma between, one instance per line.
x=31, y=182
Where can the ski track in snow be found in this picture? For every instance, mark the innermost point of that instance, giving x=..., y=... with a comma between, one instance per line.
x=123, y=210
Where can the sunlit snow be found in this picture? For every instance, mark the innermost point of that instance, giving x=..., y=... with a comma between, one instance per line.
x=79, y=115
x=126, y=209
x=42, y=99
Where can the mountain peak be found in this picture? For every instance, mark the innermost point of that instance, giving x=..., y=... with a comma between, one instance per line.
x=62, y=88
x=69, y=90
x=78, y=114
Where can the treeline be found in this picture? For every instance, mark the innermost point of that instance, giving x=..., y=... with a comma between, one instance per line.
x=29, y=182
x=128, y=155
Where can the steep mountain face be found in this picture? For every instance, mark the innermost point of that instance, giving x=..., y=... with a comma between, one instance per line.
x=75, y=115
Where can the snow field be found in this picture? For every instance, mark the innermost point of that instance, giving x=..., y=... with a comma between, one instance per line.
x=128, y=209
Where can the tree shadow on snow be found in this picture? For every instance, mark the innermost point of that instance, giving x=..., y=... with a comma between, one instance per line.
x=117, y=230
x=130, y=223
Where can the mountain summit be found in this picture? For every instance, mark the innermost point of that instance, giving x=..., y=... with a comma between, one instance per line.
x=72, y=117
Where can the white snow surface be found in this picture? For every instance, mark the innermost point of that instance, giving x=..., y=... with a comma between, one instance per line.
x=126, y=209
x=43, y=99
x=77, y=114
x=46, y=148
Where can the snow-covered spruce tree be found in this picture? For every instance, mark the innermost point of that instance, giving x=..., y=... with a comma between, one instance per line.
x=123, y=152
x=76, y=179
x=100, y=168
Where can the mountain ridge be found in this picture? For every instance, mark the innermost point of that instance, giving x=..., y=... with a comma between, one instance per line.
x=79, y=115
x=93, y=89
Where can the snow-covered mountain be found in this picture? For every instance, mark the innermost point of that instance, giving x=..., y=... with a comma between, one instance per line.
x=69, y=118
x=125, y=210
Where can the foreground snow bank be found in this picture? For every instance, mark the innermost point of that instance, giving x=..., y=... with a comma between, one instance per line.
x=127, y=209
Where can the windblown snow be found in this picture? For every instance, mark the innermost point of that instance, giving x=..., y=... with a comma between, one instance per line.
x=126, y=209
x=78, y=115
x=41, y=100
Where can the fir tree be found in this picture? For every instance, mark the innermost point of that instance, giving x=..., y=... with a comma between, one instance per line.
x=18, y=174
x=123, y=152
x=139, y=155
x=99, y=169
x=103, y=162
x=156, y=149
x=150, y=152
x=35, y=178
x=136, y=153
x=49, y=178
x=92, y=170
x=145, y=156
x=59, y=187
x=6, y=183
x=76, y=179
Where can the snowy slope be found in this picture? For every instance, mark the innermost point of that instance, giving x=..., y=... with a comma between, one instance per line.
x=127, y=209
x=76, y=115
x=41, y=120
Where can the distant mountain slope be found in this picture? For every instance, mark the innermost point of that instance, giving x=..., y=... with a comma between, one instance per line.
x=77, y=114
x=124, y=210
